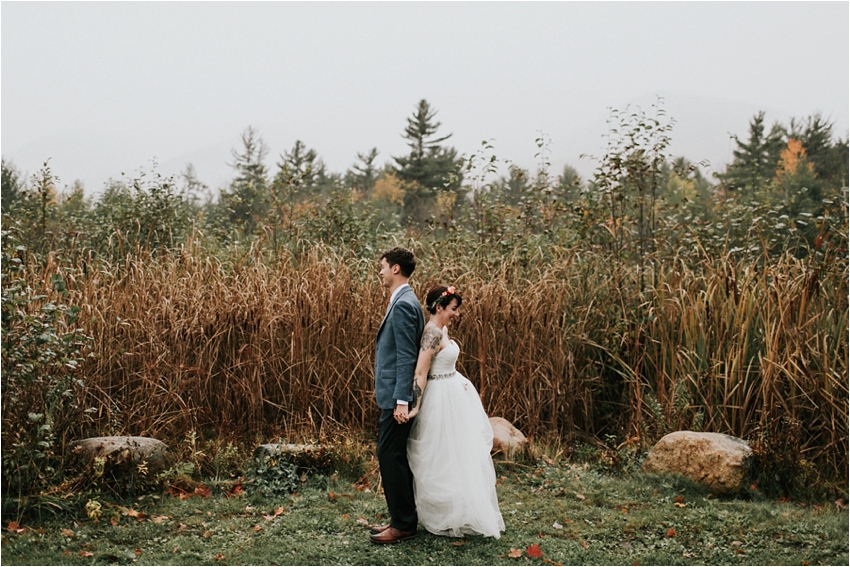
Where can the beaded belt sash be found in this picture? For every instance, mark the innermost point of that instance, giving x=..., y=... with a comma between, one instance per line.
x=440, y=376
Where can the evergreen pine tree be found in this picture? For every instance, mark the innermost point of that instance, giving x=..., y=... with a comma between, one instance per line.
x=755, y=160
x=429, y=166
x=246, y=201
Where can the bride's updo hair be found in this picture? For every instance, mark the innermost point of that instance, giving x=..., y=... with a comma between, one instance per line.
x=441, y=295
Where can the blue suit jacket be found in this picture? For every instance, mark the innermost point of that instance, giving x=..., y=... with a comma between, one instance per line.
x=397, y=350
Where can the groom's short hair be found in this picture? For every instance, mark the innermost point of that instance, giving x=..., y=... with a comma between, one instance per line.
x=402, y=257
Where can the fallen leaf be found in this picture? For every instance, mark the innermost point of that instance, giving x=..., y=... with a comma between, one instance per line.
x=584, y=544
x=86, y=553
x=67, y=552
x=12, y=526
x=331, y=496
x=557, y=526
x=113, y=520
x=237, y=489
x=580, y=496
x=280, y=510
x=345, y=516
x=737, y=543
x=207, y=533
x=175, y=549
x=183, y=527
x=219, y=557
x=740, y=552
x=203, y=491
x=67, y=532
x=258, y=528
x=547, y=560
x=138, y=551
x=159, y=519
x=534, y=551
x=459, y=543
x=132, y=513
x=515, y=553
x=671, y=533
x=362, y=520
x=680, y=505
x=679, y=498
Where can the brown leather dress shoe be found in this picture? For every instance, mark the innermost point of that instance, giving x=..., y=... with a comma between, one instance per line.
x=378, y=529
x=391, y=535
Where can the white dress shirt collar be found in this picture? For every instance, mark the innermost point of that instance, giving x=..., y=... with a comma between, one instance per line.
x=397, y=290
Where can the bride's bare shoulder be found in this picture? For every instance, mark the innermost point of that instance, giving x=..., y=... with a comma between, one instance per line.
x=431, y=338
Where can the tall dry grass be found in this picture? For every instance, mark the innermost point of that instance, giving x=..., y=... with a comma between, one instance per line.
x=258, y=346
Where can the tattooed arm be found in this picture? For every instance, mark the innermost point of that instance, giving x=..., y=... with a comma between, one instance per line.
x=432, y=339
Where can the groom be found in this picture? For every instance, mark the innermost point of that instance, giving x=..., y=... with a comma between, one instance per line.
x=396, y=352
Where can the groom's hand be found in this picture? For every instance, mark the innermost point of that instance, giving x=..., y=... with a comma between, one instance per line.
x=400, y=413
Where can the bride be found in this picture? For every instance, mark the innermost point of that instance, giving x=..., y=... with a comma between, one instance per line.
x=454, y=481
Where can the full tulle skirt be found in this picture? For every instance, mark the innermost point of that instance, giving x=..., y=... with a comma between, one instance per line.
x=454, y=481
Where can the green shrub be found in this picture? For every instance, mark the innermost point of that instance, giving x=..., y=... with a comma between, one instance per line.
x=42, y=351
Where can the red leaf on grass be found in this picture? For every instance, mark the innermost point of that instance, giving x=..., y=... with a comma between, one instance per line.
x=67, y=532
x=203, y=491
x=584, y=544
x=671, y=533
x=138, y=551
x=86, y=553
x=219, y=557
x=534, y=551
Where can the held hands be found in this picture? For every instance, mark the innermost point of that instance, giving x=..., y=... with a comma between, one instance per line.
x=400, y=414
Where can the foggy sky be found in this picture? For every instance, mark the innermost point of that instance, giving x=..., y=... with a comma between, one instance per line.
x=105, y=88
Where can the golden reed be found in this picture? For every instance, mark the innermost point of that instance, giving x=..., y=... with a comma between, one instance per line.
x=254, y=347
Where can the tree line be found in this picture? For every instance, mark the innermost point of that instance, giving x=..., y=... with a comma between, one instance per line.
x=794, y=173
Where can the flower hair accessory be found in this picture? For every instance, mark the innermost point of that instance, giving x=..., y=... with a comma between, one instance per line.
x=449, y=291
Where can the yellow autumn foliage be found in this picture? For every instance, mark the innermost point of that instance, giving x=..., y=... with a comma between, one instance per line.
x=792, y=158
x=389, y=188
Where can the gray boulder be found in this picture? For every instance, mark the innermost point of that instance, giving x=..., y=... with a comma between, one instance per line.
x=507, y=439
x=125, y=453
x=720, y=462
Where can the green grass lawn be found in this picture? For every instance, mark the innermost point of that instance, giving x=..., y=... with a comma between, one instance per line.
x=572, y=514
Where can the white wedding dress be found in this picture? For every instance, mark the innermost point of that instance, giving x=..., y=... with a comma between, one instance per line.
x=454, y=481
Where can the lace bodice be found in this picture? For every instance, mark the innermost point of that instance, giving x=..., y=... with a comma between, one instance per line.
x=444, y=362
